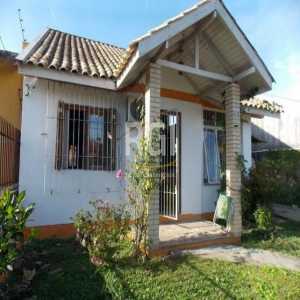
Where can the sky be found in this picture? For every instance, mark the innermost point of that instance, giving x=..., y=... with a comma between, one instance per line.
x=273, y=27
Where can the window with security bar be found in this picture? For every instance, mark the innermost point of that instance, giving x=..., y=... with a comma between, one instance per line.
x=86, y=137
x=214, y=146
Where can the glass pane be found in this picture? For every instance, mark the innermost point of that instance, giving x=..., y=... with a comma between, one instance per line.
x=211, y=151
x=96, y=128
x=220, y=120
x=222, y=148
x=209, y=118
x=95, y=139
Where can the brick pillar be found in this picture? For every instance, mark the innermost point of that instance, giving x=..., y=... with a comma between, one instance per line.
x=152, y=115
x=233, y=149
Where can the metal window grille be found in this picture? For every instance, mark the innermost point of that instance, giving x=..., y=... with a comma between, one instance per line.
x=86, y=137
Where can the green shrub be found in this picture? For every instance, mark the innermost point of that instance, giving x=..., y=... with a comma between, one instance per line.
x=104, y=231
x=263, y=218
x=279, y=176
x=13, y=218
x=274, y=179
x=142, y=182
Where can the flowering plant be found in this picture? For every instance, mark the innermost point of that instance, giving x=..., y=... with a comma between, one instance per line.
x=103, y=230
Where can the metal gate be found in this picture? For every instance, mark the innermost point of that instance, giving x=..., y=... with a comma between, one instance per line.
x=169, y=204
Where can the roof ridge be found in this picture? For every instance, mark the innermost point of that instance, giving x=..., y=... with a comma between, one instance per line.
x=86, y=38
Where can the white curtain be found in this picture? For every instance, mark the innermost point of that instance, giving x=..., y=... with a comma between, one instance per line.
x=211, y=156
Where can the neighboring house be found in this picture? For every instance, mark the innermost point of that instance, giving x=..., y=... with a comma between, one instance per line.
x=10, y=89
x=10, y=118
x=79, y=116
x=278, y=133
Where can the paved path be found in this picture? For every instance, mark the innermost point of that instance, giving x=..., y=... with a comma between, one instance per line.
x=251, y=256
x=287, y=212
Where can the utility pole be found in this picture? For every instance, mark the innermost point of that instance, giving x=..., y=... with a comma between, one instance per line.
x=24, y=41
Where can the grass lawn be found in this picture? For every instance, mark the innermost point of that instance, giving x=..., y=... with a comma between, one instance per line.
x=69, y=275
x=285, y=239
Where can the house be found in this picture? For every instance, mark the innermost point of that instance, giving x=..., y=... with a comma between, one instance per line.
x=79, y=114
x=10, y=118
x=280, y=133
x=10, y=89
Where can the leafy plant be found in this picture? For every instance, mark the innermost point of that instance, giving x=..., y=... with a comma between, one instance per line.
x=263, y=218
x=103, y=231
x=13, y=218
x=142, y=183
x=274, y=179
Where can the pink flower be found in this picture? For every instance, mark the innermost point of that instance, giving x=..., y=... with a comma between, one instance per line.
x=119, y=174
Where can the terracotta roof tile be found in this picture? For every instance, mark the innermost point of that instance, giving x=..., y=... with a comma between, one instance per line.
x=261, y=104
x=66, y=52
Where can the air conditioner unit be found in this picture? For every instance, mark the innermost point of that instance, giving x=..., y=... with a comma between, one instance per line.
x=135, y=109
x=133, y=133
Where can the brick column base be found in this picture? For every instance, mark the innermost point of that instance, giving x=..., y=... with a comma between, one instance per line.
x=152, y=115
x=233, y=150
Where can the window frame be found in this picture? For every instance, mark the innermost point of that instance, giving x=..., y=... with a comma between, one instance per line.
x=106, y=156
x=216, y=129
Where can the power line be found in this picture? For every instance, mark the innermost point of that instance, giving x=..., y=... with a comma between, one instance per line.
x=21, y=26
x=2, y=43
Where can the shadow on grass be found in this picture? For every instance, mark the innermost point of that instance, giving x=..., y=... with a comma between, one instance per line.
x=210, y=280
x=114, y=276
x=118, y=286
x=64, y=271
x=70, y=275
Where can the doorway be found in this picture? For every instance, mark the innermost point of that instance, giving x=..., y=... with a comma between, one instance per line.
x=170, y=165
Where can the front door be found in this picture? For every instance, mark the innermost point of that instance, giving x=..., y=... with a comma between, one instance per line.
x=169, y=204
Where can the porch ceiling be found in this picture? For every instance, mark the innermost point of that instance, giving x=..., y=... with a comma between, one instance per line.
x=219, y=52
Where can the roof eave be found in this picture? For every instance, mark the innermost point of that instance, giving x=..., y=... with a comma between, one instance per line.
x=245, y=36
x=62, y=76
x=259, y=113
x=159, y=35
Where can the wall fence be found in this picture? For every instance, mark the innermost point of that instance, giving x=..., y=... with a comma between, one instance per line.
x=9, y=154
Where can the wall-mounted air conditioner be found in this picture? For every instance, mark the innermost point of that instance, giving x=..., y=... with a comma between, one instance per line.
x=135, y=109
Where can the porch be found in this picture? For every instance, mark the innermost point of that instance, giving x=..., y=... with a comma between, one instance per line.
x=191, y=235
x=209, y=58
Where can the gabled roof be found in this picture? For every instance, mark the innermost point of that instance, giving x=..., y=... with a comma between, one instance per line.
x=67, y=52
x=56, y=50
x=144, y=46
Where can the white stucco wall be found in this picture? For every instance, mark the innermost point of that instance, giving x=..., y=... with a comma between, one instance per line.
x=60, y=194
x=191, y=153
x=280, y=131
